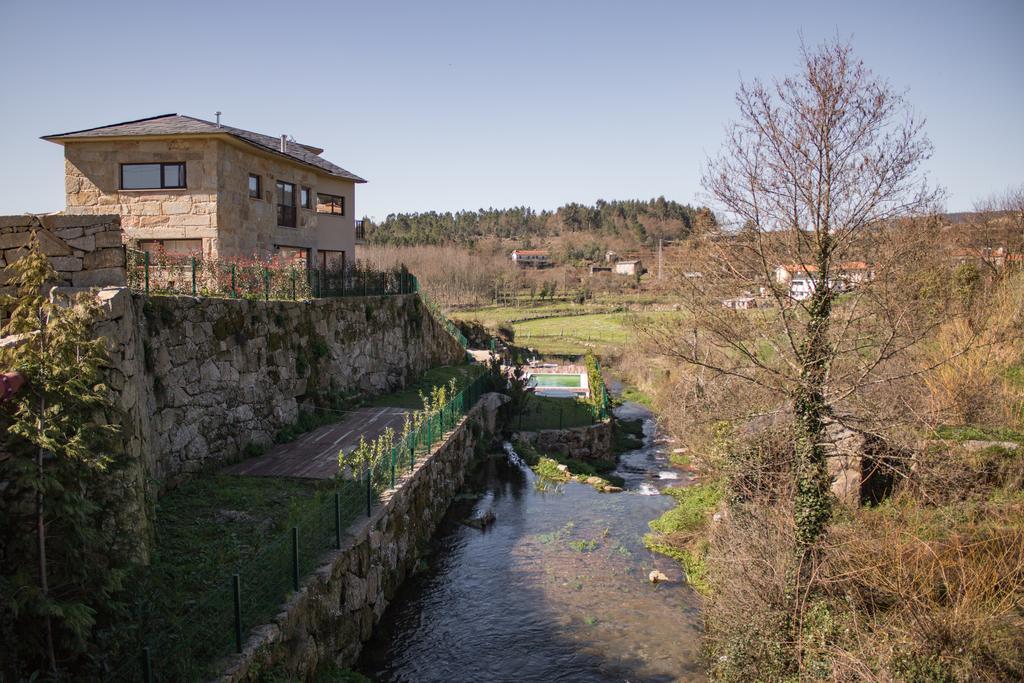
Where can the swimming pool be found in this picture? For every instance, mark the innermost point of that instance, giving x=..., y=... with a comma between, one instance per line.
x=552, y=380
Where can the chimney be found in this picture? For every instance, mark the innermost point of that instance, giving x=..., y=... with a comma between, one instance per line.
x=218, y=119
x=284, y=143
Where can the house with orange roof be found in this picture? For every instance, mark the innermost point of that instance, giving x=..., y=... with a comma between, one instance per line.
x=531, y=258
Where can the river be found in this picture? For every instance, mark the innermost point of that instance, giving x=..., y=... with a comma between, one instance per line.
x=555, y=590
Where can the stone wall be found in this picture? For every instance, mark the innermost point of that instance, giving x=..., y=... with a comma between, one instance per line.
x=580, y=443
x=92, y=185
x=86, y=251
x=337, y=606
x=202, y=380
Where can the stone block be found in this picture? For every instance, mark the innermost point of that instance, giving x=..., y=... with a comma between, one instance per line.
x=85, y=242
x=14, y=239
x=69, y=233
x=68, y=264
x=104, y=258
x=108, y=239
x=100, y=277
x=21, y=221
x=68, y=220
x=51, y=245
x=173, y=208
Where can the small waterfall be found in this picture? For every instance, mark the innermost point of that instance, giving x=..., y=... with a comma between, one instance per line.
x=648, y=489
x=513, y=457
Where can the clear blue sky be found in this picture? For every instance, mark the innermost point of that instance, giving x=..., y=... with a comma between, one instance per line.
x=449, y=105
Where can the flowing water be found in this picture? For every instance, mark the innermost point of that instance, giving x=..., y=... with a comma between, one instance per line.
x=556, y=589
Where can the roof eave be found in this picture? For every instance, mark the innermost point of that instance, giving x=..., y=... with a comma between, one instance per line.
x=62, y=138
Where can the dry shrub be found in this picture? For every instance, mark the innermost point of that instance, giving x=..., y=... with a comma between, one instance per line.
x=453, y=275
x=749, y=626
x=929, y=594
x=981, y=385
x=950, y=473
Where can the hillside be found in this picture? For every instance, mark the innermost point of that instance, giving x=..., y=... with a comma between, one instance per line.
x=636, y=223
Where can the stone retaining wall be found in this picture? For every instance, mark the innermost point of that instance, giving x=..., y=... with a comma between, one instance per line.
x=580, y=443
x=202, y=380
x=336, y=608
x=86, y=251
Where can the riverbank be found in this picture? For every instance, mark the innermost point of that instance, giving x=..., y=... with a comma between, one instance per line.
x=555, y=587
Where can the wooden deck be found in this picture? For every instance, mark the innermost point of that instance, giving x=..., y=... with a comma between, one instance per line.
x=314, y=455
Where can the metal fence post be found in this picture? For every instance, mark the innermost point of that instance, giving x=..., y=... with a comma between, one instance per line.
x=145, y=266
x=337, y=520
x=147, y=665
x=237, y=591
x=295, y=558
x=293, y=285
x=412, y=454
x=193, y=276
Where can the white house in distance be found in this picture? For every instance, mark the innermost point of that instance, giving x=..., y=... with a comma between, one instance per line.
x=631, y=267
x=800, y=277
x=531, y=258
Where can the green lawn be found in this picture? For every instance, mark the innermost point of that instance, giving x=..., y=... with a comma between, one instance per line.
x=575, y=334
x=204, y=532
x=550, y=412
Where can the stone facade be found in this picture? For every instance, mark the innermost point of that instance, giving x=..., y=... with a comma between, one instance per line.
x=580, y=443
x=85, y=251
x=215, y=206
x=336, y=607
x=200, y=380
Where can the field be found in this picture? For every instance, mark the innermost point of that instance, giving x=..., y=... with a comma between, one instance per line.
x=565, y=329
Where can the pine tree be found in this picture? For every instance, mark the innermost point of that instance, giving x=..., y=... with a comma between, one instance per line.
x=57, y=433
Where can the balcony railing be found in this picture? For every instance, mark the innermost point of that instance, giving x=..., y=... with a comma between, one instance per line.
x=360, y=231
x=286, y=215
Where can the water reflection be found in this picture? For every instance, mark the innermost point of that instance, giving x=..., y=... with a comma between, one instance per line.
x=555, y=590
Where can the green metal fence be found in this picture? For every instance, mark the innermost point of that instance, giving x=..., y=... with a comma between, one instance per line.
x=439, y=314
x=250, y=279
x=189, y=648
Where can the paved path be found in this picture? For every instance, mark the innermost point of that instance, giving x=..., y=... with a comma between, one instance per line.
x=314, y=455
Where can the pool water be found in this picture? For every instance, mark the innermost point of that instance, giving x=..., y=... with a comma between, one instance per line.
x=552, y=380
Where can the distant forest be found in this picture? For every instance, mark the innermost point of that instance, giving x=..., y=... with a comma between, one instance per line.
x=635, y=222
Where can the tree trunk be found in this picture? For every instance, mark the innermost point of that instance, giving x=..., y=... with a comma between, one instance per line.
x=813, y=506
x=44, y=587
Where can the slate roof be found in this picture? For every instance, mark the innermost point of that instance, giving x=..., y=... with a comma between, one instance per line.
x=176, y=124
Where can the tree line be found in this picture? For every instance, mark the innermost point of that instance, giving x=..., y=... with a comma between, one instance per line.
x=640, y=222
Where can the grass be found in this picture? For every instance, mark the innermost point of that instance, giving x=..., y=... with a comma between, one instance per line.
x=633, y=394
x=206, y=530
x=574, y=334
x=551, y=412
x=674, y=534
x=435, y=377
x=978, y=433
x=563, y=328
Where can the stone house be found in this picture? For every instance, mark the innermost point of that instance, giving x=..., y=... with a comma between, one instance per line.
x=536, y=258
x=190, y=186
x=801, y=277
x=630, y=267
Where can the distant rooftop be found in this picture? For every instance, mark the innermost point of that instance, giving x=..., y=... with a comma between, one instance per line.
x=177, y=124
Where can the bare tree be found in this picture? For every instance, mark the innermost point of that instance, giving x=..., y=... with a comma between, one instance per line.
x=820, y=168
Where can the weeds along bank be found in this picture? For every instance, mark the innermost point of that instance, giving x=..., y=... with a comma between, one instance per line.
x=919, y=579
